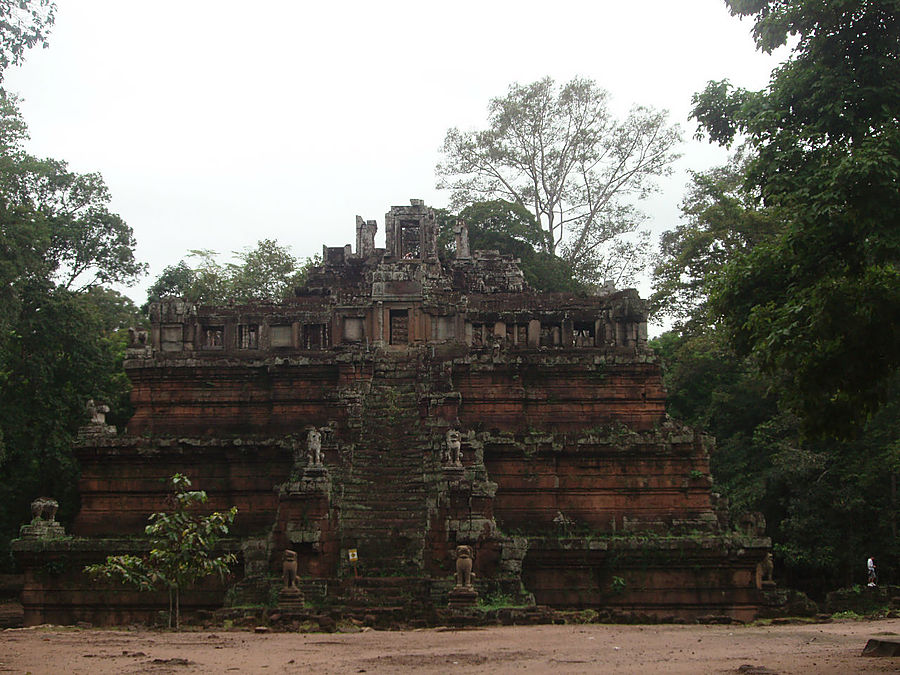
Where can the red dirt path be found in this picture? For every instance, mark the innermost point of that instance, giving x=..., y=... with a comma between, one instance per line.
x=809, y=648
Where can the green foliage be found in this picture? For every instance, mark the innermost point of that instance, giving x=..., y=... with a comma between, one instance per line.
x=818, y=301
x=500, y=600
x=62, y=335
x=57, y=224
x=558, y=153
x=263, y=273
x=266, y=273
x=23, y=24
x=511, y=229
x=847, y=614
x=721, y=219
x=182, y=545
x=827, y=501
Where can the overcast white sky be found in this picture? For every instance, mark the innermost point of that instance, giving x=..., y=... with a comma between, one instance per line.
x=218, y=123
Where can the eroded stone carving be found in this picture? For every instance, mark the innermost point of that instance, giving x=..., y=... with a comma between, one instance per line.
x=289, y=569
x=464, y=557
x=461, y=230
x=764, y=572
x=43, y=520
x=314, y=448
x=453, y=448
x=44, y=508
x=137, y=338
x=97, y=425
x=97, y=411
x=563, y=522
x=752, y=523
x=290, y=597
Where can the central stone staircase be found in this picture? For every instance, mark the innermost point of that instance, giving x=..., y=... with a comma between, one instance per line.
x=388, y=474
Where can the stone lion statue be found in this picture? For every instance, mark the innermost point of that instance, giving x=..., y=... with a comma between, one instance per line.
x=464, y=556
x=764, y=571
x=44, y=508
x=289, y=569
x=314, y=447
x=453, y=452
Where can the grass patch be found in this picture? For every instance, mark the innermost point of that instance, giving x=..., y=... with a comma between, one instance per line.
x=500, y=601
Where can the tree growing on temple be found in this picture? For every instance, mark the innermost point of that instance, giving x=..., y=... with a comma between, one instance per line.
x=182, y=549
x=512, y=230
x=559, y=153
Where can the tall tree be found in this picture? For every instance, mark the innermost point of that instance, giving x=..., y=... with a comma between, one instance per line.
x=82, y=243
x=62, y=336
x=814, y=493
x=720, y=219
x=23, y=24
x=558, y=152
x=818, y=302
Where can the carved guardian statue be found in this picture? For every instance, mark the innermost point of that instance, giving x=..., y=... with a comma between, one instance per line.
x=453, y=454
x=764, y=572
x=314, y=448
x=464, y=556
x=289, y=569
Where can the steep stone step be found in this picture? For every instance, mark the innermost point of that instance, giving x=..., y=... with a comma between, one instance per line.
x=384, y=502
x=385, y=593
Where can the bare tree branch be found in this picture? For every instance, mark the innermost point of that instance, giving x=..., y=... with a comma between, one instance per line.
x=557, y=151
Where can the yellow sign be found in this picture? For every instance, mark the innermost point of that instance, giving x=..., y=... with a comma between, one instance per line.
x=351, y=553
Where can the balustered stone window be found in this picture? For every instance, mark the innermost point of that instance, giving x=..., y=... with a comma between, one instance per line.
x=410, y=242
x=478, y=335
x=248, y=336
x=315, y=336
x=583, y=334
x=212, y=337
x=399, y=327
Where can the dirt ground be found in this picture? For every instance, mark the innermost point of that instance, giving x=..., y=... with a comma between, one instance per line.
x=810, y=648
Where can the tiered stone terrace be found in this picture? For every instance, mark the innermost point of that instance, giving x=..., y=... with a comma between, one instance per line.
x=574, y=485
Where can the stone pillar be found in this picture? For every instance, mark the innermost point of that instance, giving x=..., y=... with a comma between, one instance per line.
x=378, y=317
x=534, y=333
x=365, y=237
x=567, y=333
